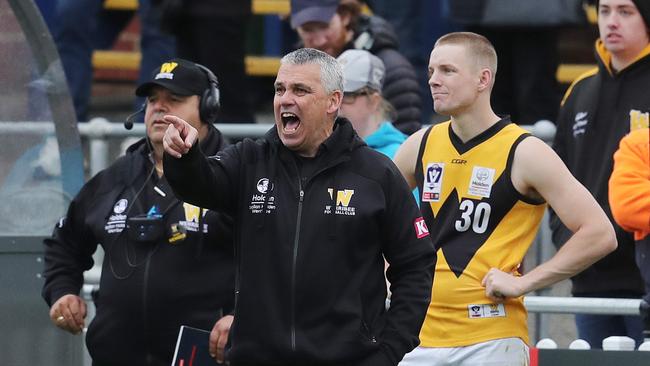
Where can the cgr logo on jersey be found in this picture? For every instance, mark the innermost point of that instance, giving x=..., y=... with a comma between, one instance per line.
x=432, y=182
x=342, y=206
x=166, y=71
x=117, y=221
x=580, y=124
x=421, y=229
x=638, y=120
x=192, y=215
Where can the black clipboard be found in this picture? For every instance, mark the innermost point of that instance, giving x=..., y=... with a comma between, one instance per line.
x=192, y=348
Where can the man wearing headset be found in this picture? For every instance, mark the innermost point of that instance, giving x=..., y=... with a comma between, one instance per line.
x=167, y=263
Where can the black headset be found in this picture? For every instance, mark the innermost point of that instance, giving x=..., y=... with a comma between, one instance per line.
x=209, y=104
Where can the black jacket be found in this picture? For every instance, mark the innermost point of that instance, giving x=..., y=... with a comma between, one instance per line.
x=310, y=285
x=401, y=89
x=596, y=113
x=147, y=290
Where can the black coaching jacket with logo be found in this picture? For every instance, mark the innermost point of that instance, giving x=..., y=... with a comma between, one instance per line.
x=147, y=289
x=599, y=108
x=310, y=250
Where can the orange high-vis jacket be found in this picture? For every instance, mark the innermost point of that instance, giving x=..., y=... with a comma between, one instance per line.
x=629, y=184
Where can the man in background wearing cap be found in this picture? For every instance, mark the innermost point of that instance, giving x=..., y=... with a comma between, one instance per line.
x=334, y=26
x=167, y=263
x=363, y=104
x=599, y=108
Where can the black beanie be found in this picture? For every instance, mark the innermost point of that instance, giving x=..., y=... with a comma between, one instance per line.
x=644, y=9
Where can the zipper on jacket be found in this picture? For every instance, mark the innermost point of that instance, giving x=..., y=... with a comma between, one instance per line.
x=293, y=269
x=145, y=288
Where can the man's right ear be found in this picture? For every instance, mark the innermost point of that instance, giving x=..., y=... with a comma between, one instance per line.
x=335, y=100
x=486, y=79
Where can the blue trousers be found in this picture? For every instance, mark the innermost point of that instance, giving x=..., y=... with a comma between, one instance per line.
x=595, y=328
x=81, y=26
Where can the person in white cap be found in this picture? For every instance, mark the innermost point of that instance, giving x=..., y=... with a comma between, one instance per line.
x=363, y=103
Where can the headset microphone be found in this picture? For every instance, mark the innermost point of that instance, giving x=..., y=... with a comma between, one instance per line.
x=128, y=122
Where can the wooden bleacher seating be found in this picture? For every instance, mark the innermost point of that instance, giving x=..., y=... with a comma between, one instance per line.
x=268, y=66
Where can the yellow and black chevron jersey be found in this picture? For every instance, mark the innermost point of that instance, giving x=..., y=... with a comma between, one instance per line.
x=477, y=220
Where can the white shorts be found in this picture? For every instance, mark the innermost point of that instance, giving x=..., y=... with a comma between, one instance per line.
x=499, y=352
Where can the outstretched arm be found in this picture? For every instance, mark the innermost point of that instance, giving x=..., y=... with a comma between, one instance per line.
x=538, y=172
x=195, y=178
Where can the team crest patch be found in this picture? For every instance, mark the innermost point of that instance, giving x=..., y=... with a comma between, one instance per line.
x=432, y=182
x=342, y=204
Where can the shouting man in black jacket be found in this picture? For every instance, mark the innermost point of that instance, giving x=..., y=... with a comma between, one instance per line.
x=316, y=212
x=153, y=281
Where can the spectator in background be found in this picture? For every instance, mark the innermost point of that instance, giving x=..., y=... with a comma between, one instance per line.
x=213, y=33
x=629, y=198
x=599, y=108
x=80, y=27
x=334, y=26
x=178, y=271
x=363, y=104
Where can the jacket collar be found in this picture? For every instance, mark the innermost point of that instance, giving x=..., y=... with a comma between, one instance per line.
x=604, y=57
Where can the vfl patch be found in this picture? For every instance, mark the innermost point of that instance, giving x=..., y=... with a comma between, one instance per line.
x=480, y=183
x=486, y=311
x=432, y=182
x=421, y=229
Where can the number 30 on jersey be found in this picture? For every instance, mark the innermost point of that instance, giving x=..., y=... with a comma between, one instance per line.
x=473, y=215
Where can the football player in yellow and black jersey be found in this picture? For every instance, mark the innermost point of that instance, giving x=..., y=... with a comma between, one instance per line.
x=484, y=185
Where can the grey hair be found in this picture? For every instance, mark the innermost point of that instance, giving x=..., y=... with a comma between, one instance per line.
x=331, y=72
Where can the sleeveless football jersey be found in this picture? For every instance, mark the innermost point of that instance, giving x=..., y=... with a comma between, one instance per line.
x=477, y=221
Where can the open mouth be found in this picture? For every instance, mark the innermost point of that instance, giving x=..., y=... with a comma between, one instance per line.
x=290, y=122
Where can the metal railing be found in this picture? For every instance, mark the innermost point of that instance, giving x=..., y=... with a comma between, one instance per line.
x=100, y=131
